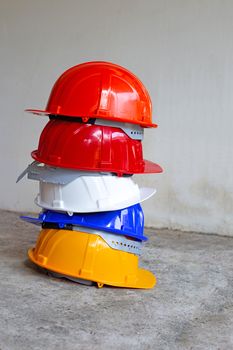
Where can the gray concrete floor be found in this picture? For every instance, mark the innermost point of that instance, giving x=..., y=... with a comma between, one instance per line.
x=190, y=308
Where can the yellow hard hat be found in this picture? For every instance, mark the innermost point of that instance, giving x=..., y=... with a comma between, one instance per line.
x=87, y=256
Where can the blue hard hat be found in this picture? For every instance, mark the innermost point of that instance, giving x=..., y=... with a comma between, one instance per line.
x=128, y=221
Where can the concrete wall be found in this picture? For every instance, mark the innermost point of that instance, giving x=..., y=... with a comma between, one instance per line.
x=181, y=49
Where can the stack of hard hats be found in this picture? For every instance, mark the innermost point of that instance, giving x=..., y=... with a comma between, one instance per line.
x=92, y=222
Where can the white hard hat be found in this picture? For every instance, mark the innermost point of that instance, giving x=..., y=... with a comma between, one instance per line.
x=77, y=191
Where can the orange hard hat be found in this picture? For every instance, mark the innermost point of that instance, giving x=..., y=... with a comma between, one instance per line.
x=100, y=90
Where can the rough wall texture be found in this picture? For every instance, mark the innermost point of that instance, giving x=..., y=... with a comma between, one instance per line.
x=182, y=51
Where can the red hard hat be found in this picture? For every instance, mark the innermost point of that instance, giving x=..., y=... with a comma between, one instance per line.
x=89, y=147
x=100, y=90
